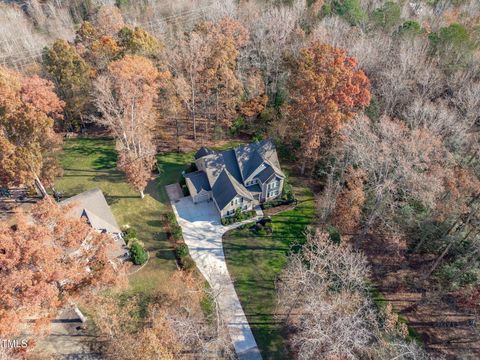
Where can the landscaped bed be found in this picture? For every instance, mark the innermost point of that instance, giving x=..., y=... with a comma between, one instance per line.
x=254, y=260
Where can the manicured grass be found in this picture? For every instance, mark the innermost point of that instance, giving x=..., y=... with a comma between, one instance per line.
x=91, y=163
x=254, y=263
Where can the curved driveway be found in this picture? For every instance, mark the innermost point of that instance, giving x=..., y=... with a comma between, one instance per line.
x=202, y=232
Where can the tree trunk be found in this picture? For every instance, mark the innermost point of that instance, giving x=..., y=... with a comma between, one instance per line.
x=452, y=227
x=178, y=133
x=40, y=187
x=304, y=164
x=442, y=255
x=194, y=126
x=79, y=314
x=142, y=195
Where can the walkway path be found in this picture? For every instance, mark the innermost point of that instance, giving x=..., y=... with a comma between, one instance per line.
x=202, y=232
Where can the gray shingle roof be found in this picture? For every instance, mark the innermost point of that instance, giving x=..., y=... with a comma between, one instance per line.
x=255, y=188
x=92, y=204
x=214, y=165
x=226, y=171
x=266, y=173
x=197, y=181
x=226, y=188
x=250, y=157
x=203, y=151
x=231, y=164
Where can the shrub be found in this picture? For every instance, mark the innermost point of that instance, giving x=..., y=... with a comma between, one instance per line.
x=237, y=125
x=170, y=217
x=276, y=202
x=182, y=250
x=388, y=16
x=334, y=234
x=325, y=11
x=138, y=253
x=453, y=44
x=187, y=263
x=287, y=192
x=373, y=110
x=263, y=229
x=238, y=216
x=218, y=133
x=410, y=27
x=129, y=235
x=269, y=227
x=262, y=232
x=176, y=232
x=350, y=10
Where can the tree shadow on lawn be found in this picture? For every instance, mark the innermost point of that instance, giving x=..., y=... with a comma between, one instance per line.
x=155, y=223
x=114, y=199
x=115, y=177
x=165, y=254
x=244, y=247
x=72, y=191
x=106, y=157
x=153, y=189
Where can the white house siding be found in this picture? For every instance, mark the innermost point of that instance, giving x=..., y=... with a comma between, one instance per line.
x=230, y=207
x=265, y=189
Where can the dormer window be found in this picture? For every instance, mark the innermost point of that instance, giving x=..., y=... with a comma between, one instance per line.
x=237, y=200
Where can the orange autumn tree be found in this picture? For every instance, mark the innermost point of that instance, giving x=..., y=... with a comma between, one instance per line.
x=349, y=203
x=221, y=84
x=125, y=97
x=326, y=90
x=47, y=260
x=28, y=143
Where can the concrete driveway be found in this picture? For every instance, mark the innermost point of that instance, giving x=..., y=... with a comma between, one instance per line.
x=203, y=232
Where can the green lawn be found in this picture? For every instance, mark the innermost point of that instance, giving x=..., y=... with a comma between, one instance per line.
x=90, y=163
x=254, y=263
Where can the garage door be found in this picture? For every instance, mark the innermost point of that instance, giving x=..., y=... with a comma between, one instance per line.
x=201, y=197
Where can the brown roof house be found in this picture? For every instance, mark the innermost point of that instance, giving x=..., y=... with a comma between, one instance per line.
x=93, y=206
x=242, y=177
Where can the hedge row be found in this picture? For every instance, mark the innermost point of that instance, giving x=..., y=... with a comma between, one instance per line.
x=239, y=216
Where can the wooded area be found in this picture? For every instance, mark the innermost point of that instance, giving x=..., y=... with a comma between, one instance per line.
x=375, y=101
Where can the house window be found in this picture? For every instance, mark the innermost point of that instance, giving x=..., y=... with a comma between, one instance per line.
x=237, y=200
x=273, y=185
x=273, y=193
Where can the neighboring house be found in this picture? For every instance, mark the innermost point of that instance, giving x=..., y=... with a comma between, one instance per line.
x=242, y=177
x=93, y=206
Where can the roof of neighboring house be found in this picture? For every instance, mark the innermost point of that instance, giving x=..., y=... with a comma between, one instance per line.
x=203, y=151
x=226, y=188
x=93, y=205
x=250, y=157
x=196, y=181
